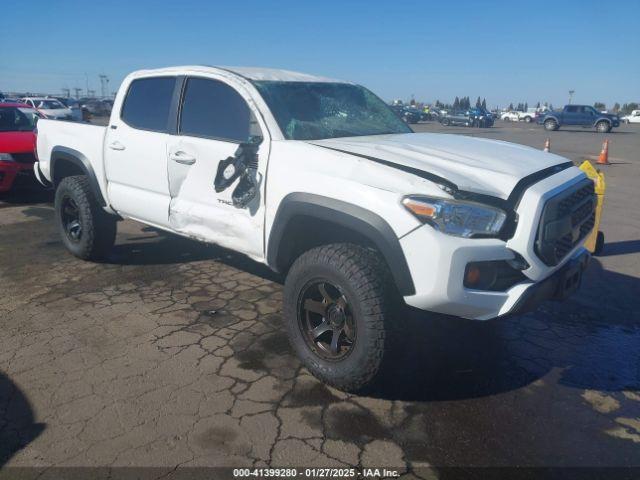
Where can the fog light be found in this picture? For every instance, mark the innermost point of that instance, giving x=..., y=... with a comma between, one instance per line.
x=480, y=275
x=472, y=275
x=494, y=275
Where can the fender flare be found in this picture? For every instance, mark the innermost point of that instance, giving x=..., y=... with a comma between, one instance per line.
x=350, y=216
x=602, y=119
x=80, y=161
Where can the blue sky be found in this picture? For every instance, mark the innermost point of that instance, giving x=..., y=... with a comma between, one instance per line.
x=506, y=51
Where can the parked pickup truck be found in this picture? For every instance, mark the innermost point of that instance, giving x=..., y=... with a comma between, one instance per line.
x=633, y=117
x=583, y=115
x=321, y=181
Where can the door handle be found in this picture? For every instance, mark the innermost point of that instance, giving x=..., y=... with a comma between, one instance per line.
x=183, y=158
x=116, y=146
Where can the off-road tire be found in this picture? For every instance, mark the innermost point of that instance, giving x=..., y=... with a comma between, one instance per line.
x=550, y=125
x=367, y=283
x=98, y=228
x=603, y=127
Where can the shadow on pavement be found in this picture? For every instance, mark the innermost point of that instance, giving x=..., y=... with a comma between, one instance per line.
x=594, y=345
x=620, y=248
x=27, y=195
x=18, y=427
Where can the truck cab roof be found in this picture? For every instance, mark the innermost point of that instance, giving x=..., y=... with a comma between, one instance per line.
x=248, y=73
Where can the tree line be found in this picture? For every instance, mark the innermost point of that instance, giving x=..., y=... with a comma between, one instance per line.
x=461, y=103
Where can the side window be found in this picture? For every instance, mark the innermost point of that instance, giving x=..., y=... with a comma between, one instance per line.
x=572, y=109
x=213, y=109
x=148, y=103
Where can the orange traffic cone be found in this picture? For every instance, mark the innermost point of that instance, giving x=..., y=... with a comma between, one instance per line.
x=603, y=159
x=547, y=145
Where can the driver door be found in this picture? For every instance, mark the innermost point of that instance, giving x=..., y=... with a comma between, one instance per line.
x=215, y=119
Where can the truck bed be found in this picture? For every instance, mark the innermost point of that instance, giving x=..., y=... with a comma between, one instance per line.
x=83, y=138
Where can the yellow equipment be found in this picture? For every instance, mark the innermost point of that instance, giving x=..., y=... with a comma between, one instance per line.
x=595, y=240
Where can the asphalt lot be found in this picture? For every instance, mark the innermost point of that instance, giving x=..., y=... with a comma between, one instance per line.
x=172, y=353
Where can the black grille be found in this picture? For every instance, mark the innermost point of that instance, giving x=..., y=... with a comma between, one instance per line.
x=24, y=157
x=566, y=220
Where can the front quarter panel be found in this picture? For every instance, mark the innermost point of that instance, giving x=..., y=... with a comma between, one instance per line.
x=297, y=166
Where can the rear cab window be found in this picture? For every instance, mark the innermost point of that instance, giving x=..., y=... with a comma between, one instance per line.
x=147, y=105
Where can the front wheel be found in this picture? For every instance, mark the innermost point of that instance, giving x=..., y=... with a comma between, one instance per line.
x=527, y=119
x=339, y=303
x=87, y=231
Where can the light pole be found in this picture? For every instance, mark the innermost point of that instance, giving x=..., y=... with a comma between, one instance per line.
x=571, y=92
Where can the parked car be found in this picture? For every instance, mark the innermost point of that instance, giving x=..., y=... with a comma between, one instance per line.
x=95, y=107
x=633, y=117
x=457, y=118
x=361, y=214
x=480, y=117
x=510, y=117
x=74, y=106
x=580, y=115
x=17, y=142
x=474, y=117
x=408, y=114
x=529, y=116
x=49, y=107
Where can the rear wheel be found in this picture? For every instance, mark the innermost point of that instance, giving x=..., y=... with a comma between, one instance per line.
x=87, y=231
x=445, y=122
x=527, y=119
x=339, y=303
x=550, y=125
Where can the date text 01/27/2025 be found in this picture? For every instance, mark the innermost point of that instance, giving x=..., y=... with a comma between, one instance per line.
x=315, y=473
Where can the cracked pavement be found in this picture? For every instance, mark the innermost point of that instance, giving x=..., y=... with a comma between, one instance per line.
x=172, y=354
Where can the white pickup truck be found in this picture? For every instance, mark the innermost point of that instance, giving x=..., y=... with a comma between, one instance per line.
x=321, y=181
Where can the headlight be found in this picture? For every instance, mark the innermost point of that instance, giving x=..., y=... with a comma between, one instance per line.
x=462, y=219
x=6, y=157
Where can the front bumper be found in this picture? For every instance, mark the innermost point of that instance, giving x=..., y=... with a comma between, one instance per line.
x=437, y=262
x=559, y=286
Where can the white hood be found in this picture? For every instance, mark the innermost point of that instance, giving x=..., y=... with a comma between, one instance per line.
x=479, y=165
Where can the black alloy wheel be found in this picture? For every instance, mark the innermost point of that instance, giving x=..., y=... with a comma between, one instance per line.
x=326, y=320
x=71, y=221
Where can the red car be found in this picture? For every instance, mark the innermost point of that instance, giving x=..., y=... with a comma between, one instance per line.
x=17, y=142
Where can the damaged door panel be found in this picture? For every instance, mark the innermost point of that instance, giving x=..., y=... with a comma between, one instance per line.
x=216, y=167
x=242, y=166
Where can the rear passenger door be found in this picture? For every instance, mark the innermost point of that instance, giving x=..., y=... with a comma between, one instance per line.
x=215, y=119
x=135, y=150
x=571, y=115
x=589, y=115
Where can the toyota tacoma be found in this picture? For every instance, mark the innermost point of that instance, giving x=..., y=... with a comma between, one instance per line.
x=320, y=180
